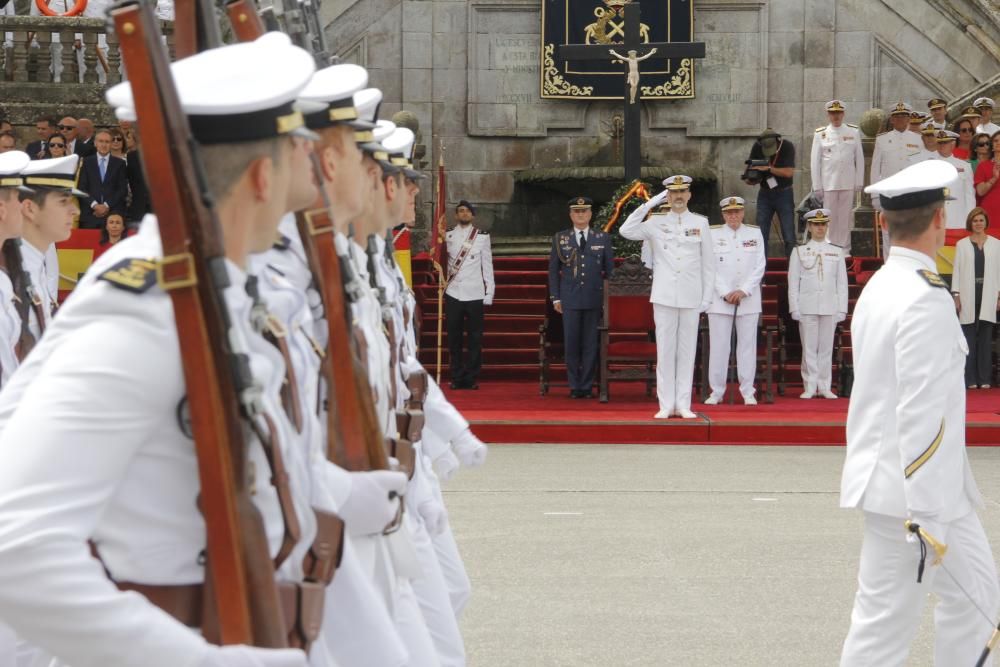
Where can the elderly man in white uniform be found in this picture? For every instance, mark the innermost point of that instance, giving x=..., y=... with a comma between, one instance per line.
x=906, y=456
x=742, y=259
x=962, y=191
x=895, y=150
x=817, y=300
x=838, y=171
x=683, y=283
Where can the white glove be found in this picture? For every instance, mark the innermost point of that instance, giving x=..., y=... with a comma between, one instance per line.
x=248, y=656
x=795, y=315
x=705, y=305
x=445, y=466
x=818, y=195
x=435, y=516
x=658, y=199
x=488, y=300
x=373, y=502
x=470, y=450
x=932, y=528
x=841, y=317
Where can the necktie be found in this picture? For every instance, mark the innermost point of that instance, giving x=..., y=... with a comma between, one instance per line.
x=104, y=167
x=583, y=241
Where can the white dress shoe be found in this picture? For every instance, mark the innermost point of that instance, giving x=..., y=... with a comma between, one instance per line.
x=663, y=414
x=807, y=394
x=686, y=414
x=712, y=400
x=749, y=400
x=826, y=393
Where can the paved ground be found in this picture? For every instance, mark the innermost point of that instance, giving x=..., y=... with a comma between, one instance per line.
x=664, y=555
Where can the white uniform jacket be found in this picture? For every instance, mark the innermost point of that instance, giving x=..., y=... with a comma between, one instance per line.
x=740, y=264
x=43, y=269
x=964, y=193
x=837, y=161
x=683, y=260
x=963, y=280
x=817, y=279
x=906, y=421
x=894, y=151
x=10, y=329
x=990, y=128
x=474, y=280
x=124, y=475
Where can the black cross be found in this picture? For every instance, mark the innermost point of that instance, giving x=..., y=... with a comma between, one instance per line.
x=633, y=161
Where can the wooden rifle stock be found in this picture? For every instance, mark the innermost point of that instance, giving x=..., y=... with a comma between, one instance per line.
x=240, y=573
x=355, y=439
x=195, y=28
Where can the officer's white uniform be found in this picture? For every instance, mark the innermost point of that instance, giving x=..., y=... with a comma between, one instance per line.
x=683, y=285
x=40, y=271
x=906, y=458
x=817, y=298
x=741, y=261
x=11, y=165
x=838, y=171
x=474, y=280
x=989, y=128
x=894, y=151
x=963, y=191
x=937, y=103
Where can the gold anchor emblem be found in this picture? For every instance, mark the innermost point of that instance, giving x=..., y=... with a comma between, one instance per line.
x=604, y=29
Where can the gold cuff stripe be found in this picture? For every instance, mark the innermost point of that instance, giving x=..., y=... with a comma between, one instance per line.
x=363, y=136
x=400, y=161
x=12, y=182
x=343, y=113
x=53, y=182
x=927, y=454
x=380, y=155
x=292, y=121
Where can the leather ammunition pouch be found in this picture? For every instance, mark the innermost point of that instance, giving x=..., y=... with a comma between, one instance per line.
x=323, y=558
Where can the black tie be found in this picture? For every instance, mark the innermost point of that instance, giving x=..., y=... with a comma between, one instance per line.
x=583, y=241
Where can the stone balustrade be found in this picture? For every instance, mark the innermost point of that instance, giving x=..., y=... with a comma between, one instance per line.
x=35, y=50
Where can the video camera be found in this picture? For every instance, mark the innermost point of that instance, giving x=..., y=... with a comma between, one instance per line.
x=754, y=176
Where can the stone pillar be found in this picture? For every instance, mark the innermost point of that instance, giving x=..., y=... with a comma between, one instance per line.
x=863, y=235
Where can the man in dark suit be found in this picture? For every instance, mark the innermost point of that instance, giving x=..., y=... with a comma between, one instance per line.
x=85, y=137
x=580, y=260
x=103, y=177
x=139, y=204
x=45, y=126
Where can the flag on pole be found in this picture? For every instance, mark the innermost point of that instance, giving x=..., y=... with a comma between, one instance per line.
x=439, y=247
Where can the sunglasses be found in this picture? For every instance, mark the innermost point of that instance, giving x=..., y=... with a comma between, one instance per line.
x=982, y=145
x=66, y=127
x=966, y=130
x=52, y=145
x=117, y=139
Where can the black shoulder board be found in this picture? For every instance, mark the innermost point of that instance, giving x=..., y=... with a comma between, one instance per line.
x=132, y=275
x=851, y=125
x=282, y=242
x=933, y=279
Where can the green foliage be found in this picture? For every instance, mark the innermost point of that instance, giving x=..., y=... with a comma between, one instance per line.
x=623, y=247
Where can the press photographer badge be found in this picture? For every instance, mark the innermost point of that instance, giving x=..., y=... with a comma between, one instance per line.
x=772, y=182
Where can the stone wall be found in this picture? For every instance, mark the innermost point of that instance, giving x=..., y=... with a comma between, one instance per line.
x=469, y=70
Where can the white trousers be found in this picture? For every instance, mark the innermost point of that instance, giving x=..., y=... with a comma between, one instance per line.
x=413, y=629
x=816, y=332
x=435, y=603
x=720, y=331
x=676, y=341
x=889, y=602
x=841, y=205
x=453, y=569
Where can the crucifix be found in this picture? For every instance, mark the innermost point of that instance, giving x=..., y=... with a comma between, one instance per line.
x=633, y=47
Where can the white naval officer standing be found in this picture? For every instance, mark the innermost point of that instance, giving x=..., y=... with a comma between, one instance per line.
x=683, y=284
x=742, y=259
x=817, y=299
x=838, y=171
x=906, y=456
x=962, y=190
x=939, y=111
x=985, y=107
x=895, y=148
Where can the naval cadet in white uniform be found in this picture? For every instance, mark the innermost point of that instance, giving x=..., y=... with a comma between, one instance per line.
x=742, y=260
x=817, y=300
x=470, y=288
x=11, y=305
x=125, y=478
x=838, y=171
x=683, y=284
x=962, y=191
x=906, y=454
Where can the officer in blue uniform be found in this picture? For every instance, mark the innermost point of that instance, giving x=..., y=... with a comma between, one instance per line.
x=580, y=260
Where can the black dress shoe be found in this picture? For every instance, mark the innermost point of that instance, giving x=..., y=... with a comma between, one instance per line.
x=472, y=385
x=586, y=393
x=573, y=393
x=456, y=385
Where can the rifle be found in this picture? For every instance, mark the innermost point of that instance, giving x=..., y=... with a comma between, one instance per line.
x=193, y=273
x=355, y=440
x=299, y=19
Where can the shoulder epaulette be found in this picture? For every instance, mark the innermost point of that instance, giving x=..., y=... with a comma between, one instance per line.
x=747, y=224
x=820, y=129
x=715, y=226
x=851, y=125
x=933, y=279
x=132, y=275
x=282, y=242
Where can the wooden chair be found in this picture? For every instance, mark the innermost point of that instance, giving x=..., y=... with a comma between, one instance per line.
x=627, y=341
x=550, y=347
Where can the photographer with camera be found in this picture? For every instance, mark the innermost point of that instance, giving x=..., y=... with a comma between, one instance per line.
x=771, y=166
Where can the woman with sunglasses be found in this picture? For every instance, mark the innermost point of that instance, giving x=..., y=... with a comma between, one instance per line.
x=118, y=144
x=57, y=146
x=964, y=128
x=980, y=150
x=986, y=178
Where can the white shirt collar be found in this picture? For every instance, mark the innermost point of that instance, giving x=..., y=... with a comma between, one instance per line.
x=915, y=256
x=586, y=233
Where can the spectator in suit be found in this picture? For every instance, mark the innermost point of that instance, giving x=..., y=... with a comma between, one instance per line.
x=70, y=130
x=46, y=127
x=580, y=260
x=8, y=142
x=139, y=204
x=103, y=177
x=85, y=134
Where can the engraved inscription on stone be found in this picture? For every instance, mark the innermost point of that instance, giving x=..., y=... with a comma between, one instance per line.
x=515, y=54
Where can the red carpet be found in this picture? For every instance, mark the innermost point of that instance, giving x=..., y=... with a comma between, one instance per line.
x=514, y=412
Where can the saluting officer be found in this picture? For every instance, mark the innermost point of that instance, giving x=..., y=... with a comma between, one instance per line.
x=683, y=284
x=906, y=455
x=838, y=171
x=742, y=260
x=580, y=260
x=817, y=300
x=470, y=288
